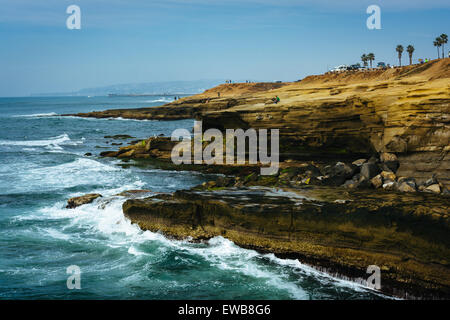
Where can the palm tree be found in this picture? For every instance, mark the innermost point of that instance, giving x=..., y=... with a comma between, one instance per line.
x=437, y=43
x=410, y=50
x=364, y=59
x=371, y=57
x=399, y=49
x=444, y=40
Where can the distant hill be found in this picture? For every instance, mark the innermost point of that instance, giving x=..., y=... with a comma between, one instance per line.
x=167, y=87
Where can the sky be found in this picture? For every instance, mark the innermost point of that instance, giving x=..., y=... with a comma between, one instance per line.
x=132, y=41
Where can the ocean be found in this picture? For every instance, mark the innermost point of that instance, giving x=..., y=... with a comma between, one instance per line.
x=43, y=163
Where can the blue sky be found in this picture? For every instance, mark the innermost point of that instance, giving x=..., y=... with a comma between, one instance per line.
x=126, y=41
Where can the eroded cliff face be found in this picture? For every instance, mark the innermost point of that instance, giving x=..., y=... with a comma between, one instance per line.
x=405, y=235
x=405, y=111
x=402, y=111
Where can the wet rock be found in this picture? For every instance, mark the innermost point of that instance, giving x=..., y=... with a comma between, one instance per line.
x=225, y=181
x=79, y=201
x=88, y=154
x=119, y=136
x=108, y=154
x=321, y=226
x=133, y=193
x=369, y=170
x=127, y=154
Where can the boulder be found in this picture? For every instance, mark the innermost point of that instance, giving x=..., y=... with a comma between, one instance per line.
x=431, y=181
x=406, y=186
x=359, y=162
x=388, y=175
x=79, y=201
x=357, y=182
x=435, y=188
x=369, y=170
x=389, y=162
x=377, y=181
x=386, y=157
x=389, y=185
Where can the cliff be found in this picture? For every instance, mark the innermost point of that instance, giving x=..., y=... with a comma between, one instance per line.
x=405, y=111
x=405, y=235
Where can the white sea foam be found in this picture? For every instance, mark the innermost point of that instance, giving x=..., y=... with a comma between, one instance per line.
x=105, y=217
x=38, y=143
x=36, y=115
x=159, y=100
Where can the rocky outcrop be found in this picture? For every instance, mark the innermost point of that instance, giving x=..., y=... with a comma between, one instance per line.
x=350, y=115
x=406, y=236
x=79, y=201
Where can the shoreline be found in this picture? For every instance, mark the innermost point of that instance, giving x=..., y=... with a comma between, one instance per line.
x=390, y=129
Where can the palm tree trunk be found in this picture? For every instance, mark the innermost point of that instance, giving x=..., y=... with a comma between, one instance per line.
x=410, y=60
x=438, y=52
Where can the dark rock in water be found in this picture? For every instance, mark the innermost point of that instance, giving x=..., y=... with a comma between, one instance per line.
x=79, y=201
x=88, y=154
x=369, y=170
x=119, y=136
x=116, y=144
x=407, y=235
x=133, y=193
x=108, y=154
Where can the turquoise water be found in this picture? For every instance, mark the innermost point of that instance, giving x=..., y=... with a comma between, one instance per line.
x=42, y=164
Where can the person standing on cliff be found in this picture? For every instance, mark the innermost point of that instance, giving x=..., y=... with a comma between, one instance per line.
x=276, y=99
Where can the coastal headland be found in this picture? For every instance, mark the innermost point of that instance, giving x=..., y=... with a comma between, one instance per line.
x=364, y=174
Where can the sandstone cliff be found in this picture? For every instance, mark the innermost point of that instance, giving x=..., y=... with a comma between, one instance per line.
x=405, y=111
x=405, y=235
